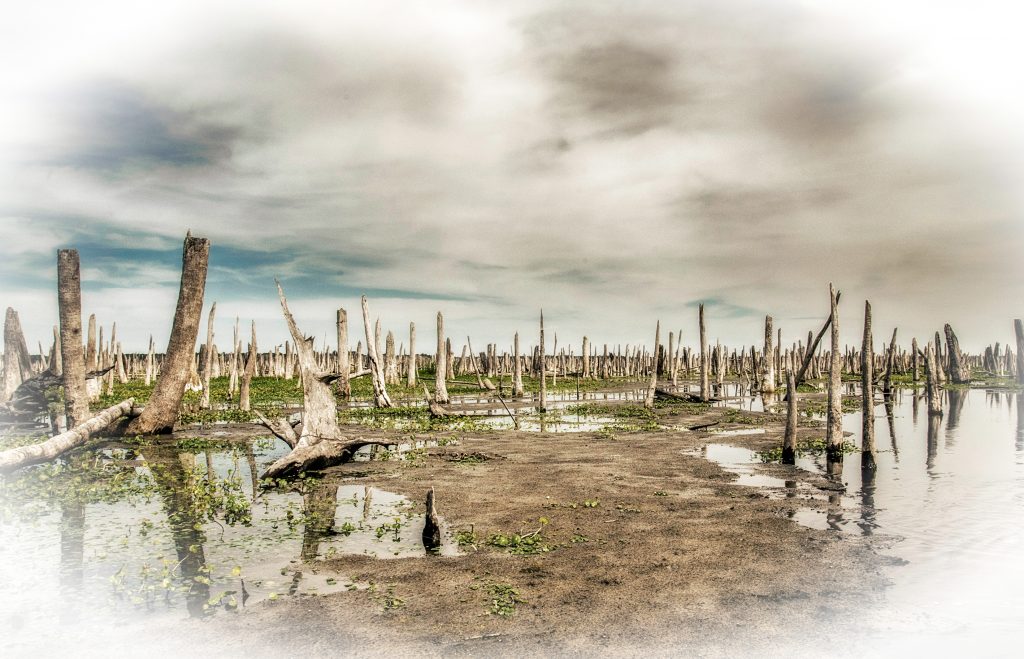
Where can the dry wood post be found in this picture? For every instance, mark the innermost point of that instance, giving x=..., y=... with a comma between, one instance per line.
x=431, y=526
x=812, y=347
x=236, y=356
x=517, y=369
x=343, y=387
x=914, y=359
x=768, y=380
x=150, y=362
x=441, y=365
x=543, y=369
x=789, y=439
x=24, y=456
x=250, y=370
x=161, y=411
x=69, y=300
x=17, y=361
x=380, y=391
x=867, y=374
x=411, y=379
x=57, y=357
x=932, y=382
x=484, y=383
x=649, y=399
x=704, y=385
x=604, y=363
x=959, y=372
x=940, y=365
x=669, y=359
x=834, y=430
x=586, y=357
x=204, y=402
x=890, y=358
x=91, y=362
x=1018, y=329
x=390, y=361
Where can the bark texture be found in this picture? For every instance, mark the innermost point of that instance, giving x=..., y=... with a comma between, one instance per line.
x=69, y=301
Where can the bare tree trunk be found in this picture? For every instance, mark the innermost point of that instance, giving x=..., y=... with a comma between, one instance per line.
x=1018, y=329
x=344, y=386
x=17, y=361
x=517, y=369
x=768, y=380
x=23, y=456
x=704, y=365
x=812, y=346
x=789, y=439
x=959, y=372
x=411, y=380
x=161, y=411
x=649, y=400
x=204, y=402
x=236, y=357
x=834, y=430
x=916, y=364
x=380, y=391
x=867, y=375
x=250, y=370
x=890, y=358
x=543, y=369
x=150, y=363
x=586, y=357
x=441, y=365
x=932, y=382
x=69, y=299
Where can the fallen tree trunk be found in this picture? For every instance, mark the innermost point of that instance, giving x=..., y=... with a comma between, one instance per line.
x=318, y=456
x=686, y=398
x=24, y=456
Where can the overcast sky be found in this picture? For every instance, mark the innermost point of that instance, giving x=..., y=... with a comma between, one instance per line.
x=612, y=162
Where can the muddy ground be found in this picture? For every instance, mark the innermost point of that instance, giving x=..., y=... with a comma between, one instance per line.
x=651, y=550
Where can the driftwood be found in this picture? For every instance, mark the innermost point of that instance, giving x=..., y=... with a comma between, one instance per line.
x=435, y=408
x=24, y=456
x=704, y=426
x=686, y=398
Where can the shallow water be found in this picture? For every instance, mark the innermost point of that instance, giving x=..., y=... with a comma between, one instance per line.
x=133, y=538
x=947, y=497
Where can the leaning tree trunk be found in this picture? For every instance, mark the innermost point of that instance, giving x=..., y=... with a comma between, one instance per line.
x=380, y=391
x=17, y=362
x=867, y=368
x=959, y=373
x=834, y=430
x=69, y=301
x=812, y=347
x=161, y=411
x=441, y=365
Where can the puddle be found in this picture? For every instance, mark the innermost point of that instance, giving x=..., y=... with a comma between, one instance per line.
x=161, y=532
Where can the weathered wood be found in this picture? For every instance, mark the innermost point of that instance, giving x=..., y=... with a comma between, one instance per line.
x=411, y=373
x=441, y=364
x=543, y=403
x=162, y=409
x=867, y=365
x=380, y=391
x=959, y=372
x=319, y=456
x=649, y=399
x=431, y=526
x=17, y=361
x=517, y=368
x=890, y=360
x=789, y=439
x=834, y=420
x=247, y=375
x=204, y=401
x=768, y=375
x=343, y=386
x=932, y=382
x=435, y=408
x=24, y=456
x=705, y=386
x=69, y=301
x=1018, y=329
x=813, y=346
x=282, y=428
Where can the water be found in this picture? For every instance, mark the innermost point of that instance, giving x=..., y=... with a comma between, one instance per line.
x=947, y=498
x=144, y=534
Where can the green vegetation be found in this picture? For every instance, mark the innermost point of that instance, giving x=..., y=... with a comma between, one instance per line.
x=815, y=446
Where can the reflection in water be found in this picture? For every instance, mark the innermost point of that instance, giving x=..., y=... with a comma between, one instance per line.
x=956, y=406
x=834, y=472
x=888, y=403
x=867, y=500
x=933, y=441
x=1020, y=422
x=320, y=507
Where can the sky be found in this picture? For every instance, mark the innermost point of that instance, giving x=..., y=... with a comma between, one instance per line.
x=614, y=163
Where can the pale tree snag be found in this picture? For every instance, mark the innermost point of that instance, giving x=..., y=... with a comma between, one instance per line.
x=69, y=301
x=250, y=369
x=17, y=361
x=768, y=376
x=517, y=369
x=586, y=358
x=236, y=358
x=890, y=358
x=161, y=411
x=57, y=358
x=484, y=383
x=1018, y=329
x=915, y=359
x=343, y=387
x=431, y=526
x=282, y=428
x=812, y=347
x=24, y=456
x=867, y=375
x=834, y=428
x=931, y=381
x=441, y=364
x=150, y=362
x=320, y=443
x=411, y=375
x=705, y=387
x=435, y=408
x=649, y=399
x=380, y=391
x=204, y=402
x=543, y=368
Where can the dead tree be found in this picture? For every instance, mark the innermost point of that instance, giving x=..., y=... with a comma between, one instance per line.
x=768, y=379
x=649, y=399
x=867, y=366
x=1018, y=329
x=161, y=411
x=69, y=300
x=431, y=526
x=17, y=361
x=441, y=365
x=343, y=387
x=517, y=369
x=890, y=359
x=705, y=386
x=204, y=402
x=380, y=391
x=318, y=443
x=411, y=376
x=834, y=429
x=789, y=439
x=543, y=403
x=24, y=456
x=959, y=372
x=250, y=370
x=932, y=382
x=813, y=347
x=914, y=359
